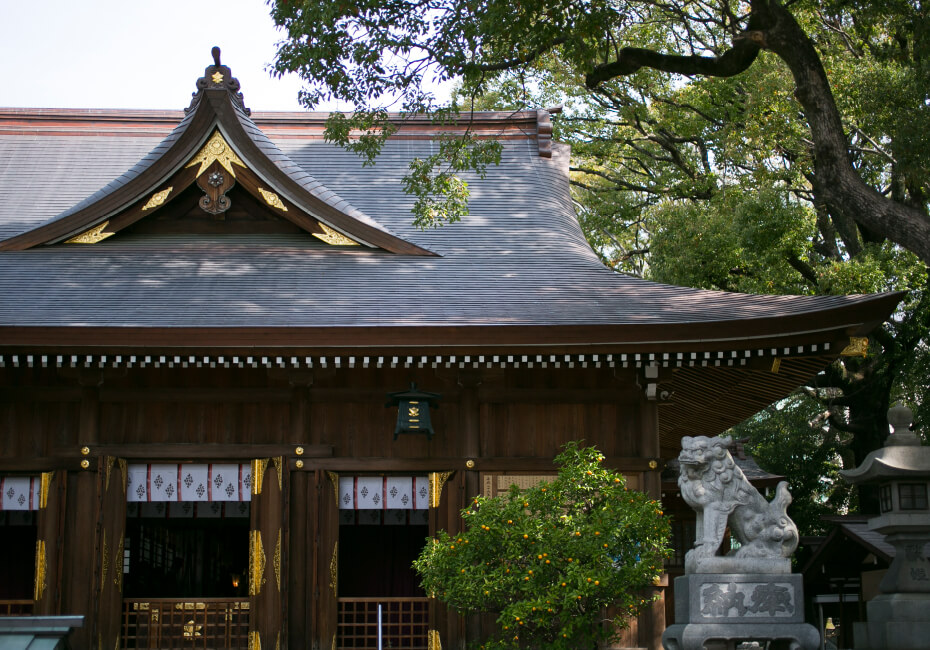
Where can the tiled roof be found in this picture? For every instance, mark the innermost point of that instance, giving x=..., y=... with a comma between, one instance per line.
x=519, y=258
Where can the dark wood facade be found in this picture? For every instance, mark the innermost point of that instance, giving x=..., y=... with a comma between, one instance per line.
x=269, y=336
x=490, y=422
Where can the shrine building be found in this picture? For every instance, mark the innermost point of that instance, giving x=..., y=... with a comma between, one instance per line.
x=210, y=321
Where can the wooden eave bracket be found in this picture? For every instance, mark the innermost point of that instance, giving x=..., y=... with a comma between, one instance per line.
x=218, y=112
x=544, y=130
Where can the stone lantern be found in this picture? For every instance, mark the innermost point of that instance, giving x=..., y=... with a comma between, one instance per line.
x=899, y=617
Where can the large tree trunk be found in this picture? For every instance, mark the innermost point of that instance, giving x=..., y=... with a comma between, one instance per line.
x=839, y=186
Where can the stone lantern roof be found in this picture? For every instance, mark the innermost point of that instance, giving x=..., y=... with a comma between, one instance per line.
x=902, y=457
x=899, y=617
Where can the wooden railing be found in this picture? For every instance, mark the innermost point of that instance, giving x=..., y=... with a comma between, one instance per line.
x=179, y=623
x=15, y=607
x=404, y=623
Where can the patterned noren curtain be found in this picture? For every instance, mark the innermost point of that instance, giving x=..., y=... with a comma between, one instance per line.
x=19, y=492
x=383, y=493
x=192, y=482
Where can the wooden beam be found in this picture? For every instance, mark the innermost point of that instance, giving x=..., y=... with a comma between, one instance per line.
x=179, y=452
x=378, y=465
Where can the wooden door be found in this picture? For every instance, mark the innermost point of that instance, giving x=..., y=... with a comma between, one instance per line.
x=446, y=501
x=324, y=588
x=47, y=586
x=112, y=475
x=267, y=555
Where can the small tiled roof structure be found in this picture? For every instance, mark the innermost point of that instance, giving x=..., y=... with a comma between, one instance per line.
x=336, y=269
x=842, y=552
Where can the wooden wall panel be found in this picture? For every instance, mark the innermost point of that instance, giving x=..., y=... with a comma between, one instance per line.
x=534, y=429
x=197, y=423
x=365, y=430
x=32, y=428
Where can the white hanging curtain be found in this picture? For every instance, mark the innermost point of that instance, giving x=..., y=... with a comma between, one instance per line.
x=19, y=492
x=383, y=493
x=189, y=482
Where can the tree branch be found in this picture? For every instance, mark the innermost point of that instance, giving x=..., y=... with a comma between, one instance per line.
x=732, y=62
x=805, y=269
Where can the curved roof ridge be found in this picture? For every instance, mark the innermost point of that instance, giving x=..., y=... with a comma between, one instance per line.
x=299, y=174
x=217, y=104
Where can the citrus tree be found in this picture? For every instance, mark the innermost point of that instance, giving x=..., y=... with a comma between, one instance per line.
x=550, y=560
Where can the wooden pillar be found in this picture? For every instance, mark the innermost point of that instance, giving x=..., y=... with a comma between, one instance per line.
x=47, y=586
x=298, y=544
x=267, y=564
x=470, y=421
x=447, y=490
x=80, y=527
x=324, y=568
x=651, y=623
x=78, y=554
x=112, y=476
x=298, y=575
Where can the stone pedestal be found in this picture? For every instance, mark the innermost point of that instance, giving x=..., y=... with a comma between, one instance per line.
x=718, y=610
x=896, y=622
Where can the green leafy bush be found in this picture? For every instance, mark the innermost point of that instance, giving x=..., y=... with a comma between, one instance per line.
x=563, y=565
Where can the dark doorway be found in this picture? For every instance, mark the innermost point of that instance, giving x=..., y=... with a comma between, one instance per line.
x=376, y=560
x=18, y=534
x=186, y=558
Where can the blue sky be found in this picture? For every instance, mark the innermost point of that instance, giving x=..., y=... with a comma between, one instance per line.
x=134, y=53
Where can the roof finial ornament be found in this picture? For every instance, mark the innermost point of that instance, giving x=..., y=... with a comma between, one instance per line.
x=218, y=77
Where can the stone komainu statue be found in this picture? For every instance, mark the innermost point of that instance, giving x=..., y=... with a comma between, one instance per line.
x=718, y=491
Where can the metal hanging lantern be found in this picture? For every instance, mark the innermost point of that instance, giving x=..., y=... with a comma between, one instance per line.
x=413, y=411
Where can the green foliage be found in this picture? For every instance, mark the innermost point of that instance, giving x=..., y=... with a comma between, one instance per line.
x=442, y=197
x=789, y=439
x=733, y=242
x=548, y=560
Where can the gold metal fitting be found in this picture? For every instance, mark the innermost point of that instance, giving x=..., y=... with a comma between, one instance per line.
x=299, y=451
x=653, y=464
x=85, y=464
x=299, y=463
x=470, y=464
x=85, y=451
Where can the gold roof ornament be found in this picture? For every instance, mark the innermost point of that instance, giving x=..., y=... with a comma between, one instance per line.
x=216, y=150
x=334, y=237
x=91, y=236
x=272, y=199
x=858, y=347
x=158, y=199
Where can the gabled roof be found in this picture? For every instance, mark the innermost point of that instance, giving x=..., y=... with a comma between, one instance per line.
x=216, y=135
